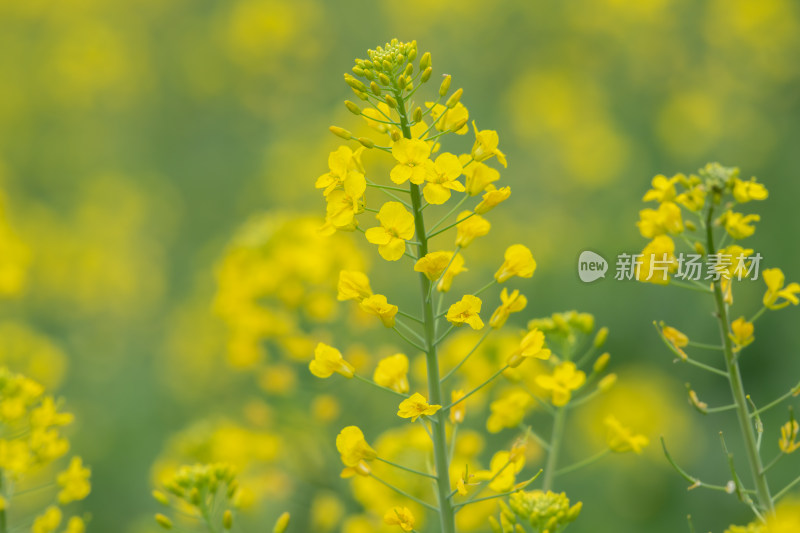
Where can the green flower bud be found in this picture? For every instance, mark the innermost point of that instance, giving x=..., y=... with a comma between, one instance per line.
x=353, y=108
x=281, y=524
x=387, y=67
x=425, y=61
x=600, y=338
x=601, y=363
x=160, y=497
x=417, y=116
x=412, y=54
x=495, y=525
x=426, y=75
x=376, y=90
x=354, y=83
x=445, y=86
x=366, y=143
x=358, y=71
x=341, y=132
x=395, y=135
x=390, y=101
x=409, y=70
x=163, y=521
x=454, y=98
x=384, y=79
x=227, y=519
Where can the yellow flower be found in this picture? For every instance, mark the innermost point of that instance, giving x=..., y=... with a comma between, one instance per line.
x=470, y=226
x=658, y=256
x=353, y=447
x=353, y=285
x=377, y=305
x=47, y=522
x=693, y=199
x=564, y=379
x=508, y=411
x=443, y=179
x=663, y=189
x=415, y=407
x=341, y=162
x=738, y=225
x=75, y=525
x=459, y=410
x=328, y=360
x=377, y=118
x=531, y=346
x=478, y=175
x=510, y=304
x=742, y=332
x=744, y=191
x=491, y=198
x=621, y=439
x=434, y=263
x=666, y=219
x=775, y=280
x=397, y=226
x=485, y=146
x=789, y=432
x=400, y=516
x=345, y=203
x=46, y=415
x=503, y=469
x=518, y=262
x=74, y=482
x=412, y=161
x=466, y=311
x=677, y=339
x=392, y=372
x=446, y=119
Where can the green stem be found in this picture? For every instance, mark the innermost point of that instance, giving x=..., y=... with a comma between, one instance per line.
x=737, y=387
x=555, y=443
x=446, y=512
x=586, y=462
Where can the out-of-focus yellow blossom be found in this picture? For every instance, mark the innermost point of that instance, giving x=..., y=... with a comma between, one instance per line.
x=345, y=203
x=328, y=360
x=279, y=379
x=75, y=525
x=785, y=519
x=47, y=522
x=745, y=191
x=470, y=226
x=15, y=258
x=392, y=372
x=415, y=407
x=508, y=411
x=446, y=119
x=353, y=285
x=443, y=179
x=666, y=219
x=400, y=516
x=778, y=296
x=658, y=261
x=397, y=226
x=327, y=511
x=412, y=161
x=663, y=189
x=74, y=482
x=511, y=303
x=789, y=432
x=31, y=353
x=342, y=162
x=677, y=339
x=742, y=332
x=459, y=410
x=478, y=176
x=325, y=408
x=503, y=469
x=519, y=261
x=531, y=346
x=694, y=198
x=738, y=225
x=485, y=146
x=546, y=511
x=492, y=198
x=376, y=118
x=377, y=305
x=466, y=311
x=621, y=439
x=163, y=521
x=564, y=379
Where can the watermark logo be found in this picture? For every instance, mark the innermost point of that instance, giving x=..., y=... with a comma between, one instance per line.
x=591, y=266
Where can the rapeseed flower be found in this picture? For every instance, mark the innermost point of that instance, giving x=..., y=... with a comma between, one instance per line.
x=564, y=379
x=485, y=146
x=415, y=407
x=518, y=262
x=779, y=296
x=353, y=447
x=466, y=311
x=470, y=226
x=328, y=360
x=379, y=306
x=413, y=163
x=511, y=303
x=392, y=372
x=397, y=226
x=443, y=179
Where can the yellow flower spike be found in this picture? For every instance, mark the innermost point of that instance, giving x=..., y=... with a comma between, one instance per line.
x=397, y=226
x=392, y=372
x=415, y=407
x=778, y=296
x=745, y=191
x=531, y=346
x=282, y=523
x=74, y=482
x=446, y=119
x=377, y=305
x=400, y=516
x=518, y=262
x=163, y=521
x=663, y=189
x=789, y=432
x=677, y=339
x=478, y=176
x=492, y=198
x=353, y=447
x=738, y=225
x=621, y=439
x=466, y=311
x=470, y=226
x=666, y=219
x=512, y=303
x=564, y=379
x=328, y=360
x=508, y=411
x=353, y=285
x=459, y=410
x=443, y=179
x=485, y=146
x=412, y=161
x=742, y=332
x=48, y=521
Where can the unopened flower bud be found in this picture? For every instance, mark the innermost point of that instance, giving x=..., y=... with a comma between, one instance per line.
x=354, y=83
x=341, y=132
x=353, y=108
x=495, y=525
x=358, y=71
x=366, y=143
x=384, y=79
x=390, y=101
x=454, y=98
x=445, y=86
x=601, y=363
x=600, y=338
x=412, y=54
x=395, y=135
x=409, y=70
x=689, y=225
x=163, y=521
x=227, y=519
x=417, y=114
x=426, y=75
x=699, y=248
x=160, y=497
x=387, y=67
x=607, y=383
x=425, y=61
x=376, y=90
x=281, y=524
